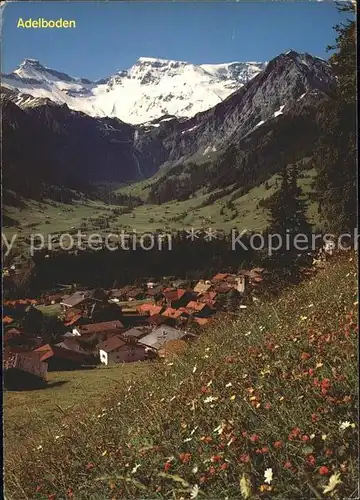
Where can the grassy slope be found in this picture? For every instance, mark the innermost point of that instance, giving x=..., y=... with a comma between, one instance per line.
x=266, y=389
x=167, y=217
x=36, y=413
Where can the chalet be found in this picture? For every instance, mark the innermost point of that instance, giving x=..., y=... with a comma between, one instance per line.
x=100, y=331
x=202, y=287
x=150, y=309
x=222, y=287
x=7, y=320
x=156, y=292
x=220, y=277
x=159, y=336
x=135, y=294
x=179, y=297
x=78, y=300
x=199, y=309
x=72, y=344
x=60, y=358
x=120, y=294
x=134, y=333
x=23, y=370
x=118, y=350
x=157, y=320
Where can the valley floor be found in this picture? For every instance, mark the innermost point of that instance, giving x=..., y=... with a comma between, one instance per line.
x=263, y=406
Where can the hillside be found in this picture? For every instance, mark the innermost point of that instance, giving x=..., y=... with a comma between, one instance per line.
x=263, y=406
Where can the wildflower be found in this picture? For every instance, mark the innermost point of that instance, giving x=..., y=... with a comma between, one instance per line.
x=344, y=425
x=267, y=406
x=167, y=466
x=268, y=475
x=229, y=384
x=324, y=437
x=89, y=466
x=323, y=471
x=185, y=457
x=314, y=417
x=232, y=398
x=305, y=356
x=254, y=438
x=195, y=469
x=245, y=487
x=224, y=466
x=210, y=399
x=215, y=458
x=194, y=491
x=310, y=459
x=135, y=468
x=333, y=482
x=305, y=438
x=287, y=465
x=265, y=487
x=104, y=453
x=57, y=437
x=70, y=493
x=244, y=458
x=212, y=471
x=194, y=369
x=278, y=444
x=52, y=496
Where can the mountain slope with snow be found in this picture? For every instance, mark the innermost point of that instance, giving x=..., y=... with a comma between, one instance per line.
x=148, y=90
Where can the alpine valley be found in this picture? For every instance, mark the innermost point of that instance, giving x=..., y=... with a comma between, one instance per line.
x=183, y=130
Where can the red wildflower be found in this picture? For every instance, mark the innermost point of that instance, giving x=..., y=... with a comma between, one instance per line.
x=294, y=433
x=205, y=390
x=38, y=488
x=212, y=471
x=202, y=479
x=90, y=466
x=310, y=459
x=314, y=417
x=325, y=385
x=254, y=438
x=311, y=372
x=70, y=493
x=305, y=438
x=185, y=457
x=278, y=444
x=328, y=452
x=229, y=359
x=244, y=458
x=244, y=434
x=215, y=458
x=323, y=471
x=305, y=356
x=267, y=406
x=287, y=465
x=52, y=496
x=167, y=466
x=224, y=466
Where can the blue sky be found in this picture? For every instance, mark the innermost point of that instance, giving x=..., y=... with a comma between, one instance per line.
x=110, y=36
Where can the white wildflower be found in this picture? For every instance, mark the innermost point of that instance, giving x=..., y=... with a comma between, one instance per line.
x=195, y=469
x=268, y=475
x=195, y=368
x=344, y=425
x=135, y=468
x=210, y=399
x=194, y=491
x=229, y=384
x=333, y=482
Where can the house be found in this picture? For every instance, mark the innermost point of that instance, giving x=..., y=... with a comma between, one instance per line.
x=23, y=370
x=134, y=333
x=199, y=309
x=100, y=331
x=222, y=287
x=241, y=283
x=78, y=300
x=219, y=277
x=159, y=336
x=179, y=297
x=7, y=320
x=135, y=294
x=202, y=286
x=156, y=292
x=60, y=358
x=201, y=321
x=72, y=344
x=150, y=309
x=157, y=320
x=119, y=350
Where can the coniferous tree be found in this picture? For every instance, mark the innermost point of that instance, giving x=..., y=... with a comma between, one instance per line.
x=288, y=216
x=336, y=155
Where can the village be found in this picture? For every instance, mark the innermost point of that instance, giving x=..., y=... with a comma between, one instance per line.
x=130, y=324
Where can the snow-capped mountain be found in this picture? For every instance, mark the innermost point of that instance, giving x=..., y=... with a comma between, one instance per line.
x=148, y=90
